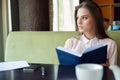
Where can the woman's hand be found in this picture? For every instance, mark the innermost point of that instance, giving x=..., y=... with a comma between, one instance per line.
x=107, y=63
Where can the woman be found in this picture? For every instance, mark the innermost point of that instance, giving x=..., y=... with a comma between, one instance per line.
x=89, y=21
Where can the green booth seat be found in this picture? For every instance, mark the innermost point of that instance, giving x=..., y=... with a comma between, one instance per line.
x=39, y=46
x=35, y=46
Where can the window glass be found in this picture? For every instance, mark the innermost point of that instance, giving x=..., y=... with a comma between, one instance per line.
x=63, y=18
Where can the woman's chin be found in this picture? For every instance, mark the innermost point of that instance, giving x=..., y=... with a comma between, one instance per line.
x=81, y=31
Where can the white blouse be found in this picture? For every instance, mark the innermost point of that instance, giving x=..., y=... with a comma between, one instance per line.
x=81, y=43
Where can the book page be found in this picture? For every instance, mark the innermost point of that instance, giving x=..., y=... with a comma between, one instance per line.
x=92, y=48
x=69, y=51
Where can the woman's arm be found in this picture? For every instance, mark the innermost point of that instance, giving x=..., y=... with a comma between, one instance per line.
x=113, y=54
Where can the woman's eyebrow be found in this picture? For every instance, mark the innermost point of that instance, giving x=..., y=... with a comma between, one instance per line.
x=85, y=16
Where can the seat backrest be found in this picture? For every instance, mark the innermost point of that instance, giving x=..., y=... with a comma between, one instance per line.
x=39, y=46
x=35, y=47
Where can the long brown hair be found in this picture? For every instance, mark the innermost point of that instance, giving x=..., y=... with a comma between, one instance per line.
x=97, y=15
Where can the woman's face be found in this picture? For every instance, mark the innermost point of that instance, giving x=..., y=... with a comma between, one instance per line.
x=85, y=21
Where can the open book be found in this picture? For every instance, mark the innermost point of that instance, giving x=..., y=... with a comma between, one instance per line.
x=95, y=54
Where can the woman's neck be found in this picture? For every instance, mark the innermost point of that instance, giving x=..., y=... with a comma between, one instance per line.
x=89, y=35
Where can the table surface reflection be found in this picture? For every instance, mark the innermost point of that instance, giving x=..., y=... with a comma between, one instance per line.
x=52, y=72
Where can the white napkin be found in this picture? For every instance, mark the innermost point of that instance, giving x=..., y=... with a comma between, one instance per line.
x=116, y=71
x=13, y=65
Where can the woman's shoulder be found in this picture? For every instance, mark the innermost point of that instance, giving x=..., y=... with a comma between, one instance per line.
x=75, y=38
x=70, y=42
x=108, y=40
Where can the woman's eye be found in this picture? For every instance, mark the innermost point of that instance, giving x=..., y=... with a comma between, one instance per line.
x=84, y=17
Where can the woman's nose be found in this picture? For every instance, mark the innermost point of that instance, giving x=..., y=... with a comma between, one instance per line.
x=79, y=21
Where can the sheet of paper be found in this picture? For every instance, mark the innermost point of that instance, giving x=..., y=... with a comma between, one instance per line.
x=13, y=65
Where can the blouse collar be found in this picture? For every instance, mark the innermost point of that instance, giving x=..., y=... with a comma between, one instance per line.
x=86, y=40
